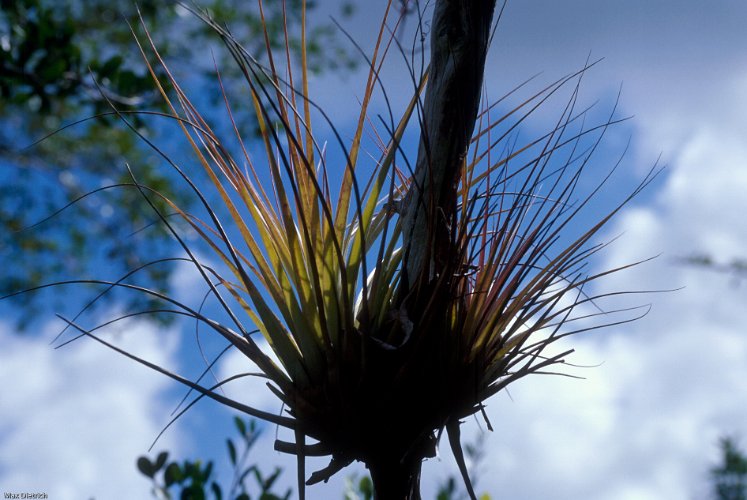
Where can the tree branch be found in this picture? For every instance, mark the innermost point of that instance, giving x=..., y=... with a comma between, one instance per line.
x=459, y=43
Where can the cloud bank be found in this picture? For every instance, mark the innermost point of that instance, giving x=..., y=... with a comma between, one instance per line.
x=73, y=421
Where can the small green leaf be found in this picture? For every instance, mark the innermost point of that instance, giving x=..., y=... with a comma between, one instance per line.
x=348, y=9
x=267, y=483
x=127, y=82
x=231, y=451
x=205, y=474
x=191, y=469
x=243, y=475
x=365, y=486
x=240, y=425
x=111, y=66
x=173, y=474
x=193, y=492
x=146, y=467
x=52, y=70
x=218, y=493
x=161, y=460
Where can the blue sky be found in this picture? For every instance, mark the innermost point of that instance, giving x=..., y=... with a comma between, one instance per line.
x=644, y=422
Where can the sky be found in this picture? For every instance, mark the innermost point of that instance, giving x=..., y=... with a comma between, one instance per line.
x=656, y=395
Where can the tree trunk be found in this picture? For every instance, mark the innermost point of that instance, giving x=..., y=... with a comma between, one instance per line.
x=395, y=480
x=460, y=32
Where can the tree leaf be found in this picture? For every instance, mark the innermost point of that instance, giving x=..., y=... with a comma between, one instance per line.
x=173, y=474
x=240, y=425
x=231, y=451
x=365, y=486
x=146, y=467
x=205, y=474
x=160, y=460
x=215, y=488
x=111, y=66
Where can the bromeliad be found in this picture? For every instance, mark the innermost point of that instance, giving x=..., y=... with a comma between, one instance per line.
x=397, y=306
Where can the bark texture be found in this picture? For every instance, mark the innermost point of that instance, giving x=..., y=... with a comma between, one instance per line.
x=460, y=32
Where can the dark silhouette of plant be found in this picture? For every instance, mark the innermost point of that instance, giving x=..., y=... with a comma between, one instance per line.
x=395, y=297
x=191, y=479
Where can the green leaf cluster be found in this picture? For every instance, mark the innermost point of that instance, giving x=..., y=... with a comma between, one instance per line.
x=730, y=476
x=191, y=480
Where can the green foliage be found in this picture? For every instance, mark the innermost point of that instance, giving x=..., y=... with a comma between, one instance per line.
x=730, y=476
x=191, y=480
x=66, y=61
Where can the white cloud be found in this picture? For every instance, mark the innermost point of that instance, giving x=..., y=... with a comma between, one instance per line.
x=73, y=421
x=643, y=424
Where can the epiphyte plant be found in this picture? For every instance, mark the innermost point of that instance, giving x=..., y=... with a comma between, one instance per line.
x=396, y=297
